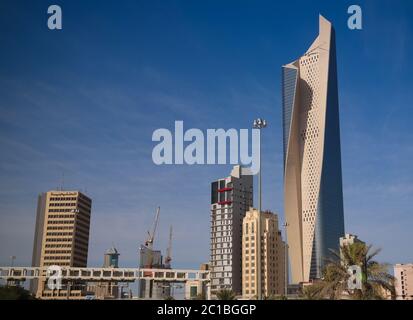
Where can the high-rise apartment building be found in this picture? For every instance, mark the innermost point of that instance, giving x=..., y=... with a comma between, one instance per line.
x=231, y=197
x=313, y=195
x=404, y=281
x=62, y=232
x=272, y=255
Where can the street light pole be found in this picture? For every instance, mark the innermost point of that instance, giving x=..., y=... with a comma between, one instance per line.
x=259, y=124
x=12, y=260
x=286, y=260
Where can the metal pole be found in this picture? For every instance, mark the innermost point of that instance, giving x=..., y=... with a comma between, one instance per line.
x=286, y=261
x=12, y=260
x=259, y=289
x=259, y=124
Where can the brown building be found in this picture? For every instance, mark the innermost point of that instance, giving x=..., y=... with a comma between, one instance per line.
x=61, y=236
x=404, y=281
x=272, y=255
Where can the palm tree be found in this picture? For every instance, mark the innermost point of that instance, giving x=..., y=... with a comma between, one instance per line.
x=275, y=297
x=311, y=292
x=375, y=280
x=225, y=294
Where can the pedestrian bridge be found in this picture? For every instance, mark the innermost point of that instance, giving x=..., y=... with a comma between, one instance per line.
x=104, y=274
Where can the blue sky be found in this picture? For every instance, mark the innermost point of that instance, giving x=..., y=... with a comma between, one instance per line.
x=85, y=101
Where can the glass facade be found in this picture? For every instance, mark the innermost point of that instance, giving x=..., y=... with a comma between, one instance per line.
x=289, y=80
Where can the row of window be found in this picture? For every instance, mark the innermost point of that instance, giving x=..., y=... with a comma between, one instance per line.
x=63, y=199
x=46, y=258
x=57, y=251
x=61, y=221
x=62, y=204
x=59, y=233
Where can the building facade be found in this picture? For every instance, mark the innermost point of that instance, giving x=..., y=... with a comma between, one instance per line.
x=313, y=195
x=349, y=239
x=272, y=255
x=404, y=281
x=61, y=235
x=150, y=289
x=106, y=289
x=231, y=197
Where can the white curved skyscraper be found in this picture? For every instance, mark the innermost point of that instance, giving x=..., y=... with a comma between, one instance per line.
x=313, y=195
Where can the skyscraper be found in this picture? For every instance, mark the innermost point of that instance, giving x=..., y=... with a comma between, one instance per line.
x=231, y=197
x=272, y=255
x=62, y=233
x=313, y=195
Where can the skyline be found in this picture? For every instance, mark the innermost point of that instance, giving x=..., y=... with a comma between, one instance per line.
x=60, y=113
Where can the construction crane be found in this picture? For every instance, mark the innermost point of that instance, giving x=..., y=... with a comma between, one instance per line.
x=168, y=258
x=149, y=241
x=151, y=236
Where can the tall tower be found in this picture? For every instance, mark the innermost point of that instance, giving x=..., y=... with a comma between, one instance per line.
x=313, y=195
x=62, y=232
x=231, y=197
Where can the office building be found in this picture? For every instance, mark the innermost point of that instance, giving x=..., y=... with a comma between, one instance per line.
x=106, y=289
x=404, y=281
x=61, y=236
x=111, y=258
x=272, y=255
x=313, y=196
x=231, y=197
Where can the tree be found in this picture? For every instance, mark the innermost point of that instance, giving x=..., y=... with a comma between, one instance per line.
x=375, y=279
x=225, y=294
x=14, y=293
x=275, y=297
x=311, y=292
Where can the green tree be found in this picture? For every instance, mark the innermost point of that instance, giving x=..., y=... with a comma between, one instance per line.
x=375, y=279
x=311, y=292
x=225, y=294
x=14, y=293
x=275, y=297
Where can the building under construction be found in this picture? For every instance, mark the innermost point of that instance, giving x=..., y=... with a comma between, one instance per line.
x=149, y=258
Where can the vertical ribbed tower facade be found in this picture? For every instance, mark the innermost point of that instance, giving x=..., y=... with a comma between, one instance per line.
x=313, y=196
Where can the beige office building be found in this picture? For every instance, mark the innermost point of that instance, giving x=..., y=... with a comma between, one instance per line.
x=61, y=236
x=272, y=255
x=313, y=195
x=404, y=281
